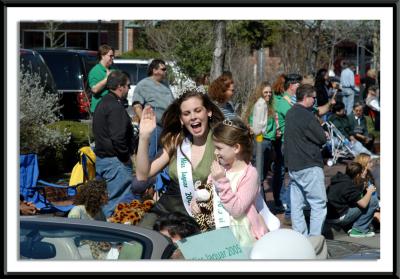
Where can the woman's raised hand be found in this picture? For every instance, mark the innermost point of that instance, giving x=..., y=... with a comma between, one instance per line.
x=147, y=122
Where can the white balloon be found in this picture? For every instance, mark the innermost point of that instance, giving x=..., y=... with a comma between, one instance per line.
x=283, y=244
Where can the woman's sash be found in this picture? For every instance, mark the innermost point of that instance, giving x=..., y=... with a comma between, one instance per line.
x=184, y=168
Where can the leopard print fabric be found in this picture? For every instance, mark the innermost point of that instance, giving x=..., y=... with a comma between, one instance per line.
x=131, y=213
x=205, y=219
x=99, y=249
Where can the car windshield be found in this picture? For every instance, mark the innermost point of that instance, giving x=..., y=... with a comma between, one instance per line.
x=49, y=242
x=66, y=69
x=34, y=63
x=136, y=72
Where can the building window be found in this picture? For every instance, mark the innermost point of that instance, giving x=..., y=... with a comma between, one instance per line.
x=93, y=40
x=58, y=39
x=33, y=39
x=76, y=39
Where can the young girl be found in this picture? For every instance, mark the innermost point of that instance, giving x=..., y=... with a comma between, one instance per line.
x=89, y=200
x=236, y=180
x=367, y=163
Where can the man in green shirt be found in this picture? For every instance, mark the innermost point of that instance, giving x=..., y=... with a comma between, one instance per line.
x=98, y=75
x=282, y=104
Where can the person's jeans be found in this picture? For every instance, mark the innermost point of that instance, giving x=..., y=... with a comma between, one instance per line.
x=348, y=99
x=308, y=185
x=267, y=149
x=266, y=156
x=285, y=191
x=362, y=218
x=154, y=146
x=278, y=191
x=358, y=148
x=118, y=177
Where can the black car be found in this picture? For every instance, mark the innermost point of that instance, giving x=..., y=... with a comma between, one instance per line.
x=70, y=69
x=32, y=61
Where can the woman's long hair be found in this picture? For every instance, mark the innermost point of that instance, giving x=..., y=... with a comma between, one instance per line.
x=174, y=132
x=258, y=93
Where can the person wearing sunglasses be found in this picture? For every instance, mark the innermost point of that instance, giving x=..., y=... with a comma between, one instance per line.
x=155, y=92
x=303, y=139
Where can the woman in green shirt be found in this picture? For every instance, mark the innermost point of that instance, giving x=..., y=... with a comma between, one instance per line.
x=98, y=75
x=260, y=114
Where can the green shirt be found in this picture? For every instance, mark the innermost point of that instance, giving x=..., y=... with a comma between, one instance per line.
x=202, y=170
x=171, y=200
x=97, y=74
x=270, y=131
x=281, y=107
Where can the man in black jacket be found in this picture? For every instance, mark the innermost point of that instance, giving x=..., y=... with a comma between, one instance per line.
x=113, y=134
x=304, y=138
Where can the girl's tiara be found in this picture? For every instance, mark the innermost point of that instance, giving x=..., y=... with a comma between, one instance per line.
x=229, y=123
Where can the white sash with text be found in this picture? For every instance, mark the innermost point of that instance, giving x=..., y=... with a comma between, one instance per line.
x=184, y=168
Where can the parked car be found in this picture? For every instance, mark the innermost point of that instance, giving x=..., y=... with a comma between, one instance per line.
x=60, y=238
x=32, y=61
x=137, y=70
x=70, y=69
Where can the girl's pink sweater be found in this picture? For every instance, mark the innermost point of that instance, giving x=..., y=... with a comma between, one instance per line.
x=243, y=202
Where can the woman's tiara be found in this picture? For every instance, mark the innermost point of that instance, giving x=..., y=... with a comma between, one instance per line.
x=190, y=86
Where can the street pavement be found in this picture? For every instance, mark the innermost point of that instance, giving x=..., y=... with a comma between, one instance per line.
x=330, y=232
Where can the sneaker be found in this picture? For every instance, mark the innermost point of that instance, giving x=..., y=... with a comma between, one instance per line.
x=358, y=234
x=374, y=156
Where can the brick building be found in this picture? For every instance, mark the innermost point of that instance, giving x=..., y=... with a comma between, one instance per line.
x=119, y=34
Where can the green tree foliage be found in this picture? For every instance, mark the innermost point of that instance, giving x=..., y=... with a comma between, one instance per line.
x=140, y=54
x=255, y=33
x=188, y=42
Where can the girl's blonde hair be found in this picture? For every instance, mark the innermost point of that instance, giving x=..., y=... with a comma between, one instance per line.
x=235, y=131
x=363, y=159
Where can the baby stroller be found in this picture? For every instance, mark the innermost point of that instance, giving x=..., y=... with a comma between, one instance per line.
x=340, y=146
